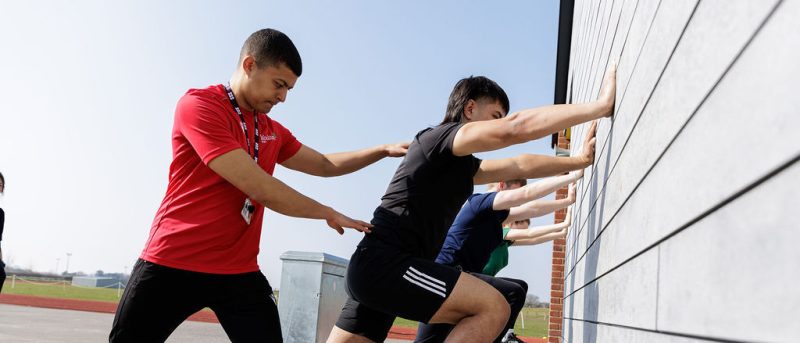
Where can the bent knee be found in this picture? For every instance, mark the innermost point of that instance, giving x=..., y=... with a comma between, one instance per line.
x=498, y=305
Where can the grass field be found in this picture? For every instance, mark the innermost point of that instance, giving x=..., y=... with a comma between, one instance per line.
x=60, y=290
x=535, y=322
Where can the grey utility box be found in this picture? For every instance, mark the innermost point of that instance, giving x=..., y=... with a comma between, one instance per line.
x=311, y=295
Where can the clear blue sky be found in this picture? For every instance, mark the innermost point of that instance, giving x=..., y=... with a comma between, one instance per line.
x=89, y=87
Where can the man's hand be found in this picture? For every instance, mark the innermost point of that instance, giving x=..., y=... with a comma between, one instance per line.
x=608, y=92
x=396, y=150
x=587, y=154
x=339, y=222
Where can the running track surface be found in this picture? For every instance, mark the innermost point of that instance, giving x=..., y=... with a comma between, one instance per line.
x=201, y=316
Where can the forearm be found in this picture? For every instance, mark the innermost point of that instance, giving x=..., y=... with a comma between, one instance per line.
x=546, y=186
x=539, y=208
x=535, y=123
x=281, y=198
x=242, y=172
x=541, y=239
x=531, y=166
x=535, y=232
x=347, y=162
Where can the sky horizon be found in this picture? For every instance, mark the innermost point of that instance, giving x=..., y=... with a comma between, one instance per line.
x=86, y=110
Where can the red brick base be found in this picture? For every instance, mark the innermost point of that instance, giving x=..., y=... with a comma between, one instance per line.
x=557, y=274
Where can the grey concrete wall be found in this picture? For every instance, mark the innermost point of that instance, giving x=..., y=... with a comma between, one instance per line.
x=683, y=228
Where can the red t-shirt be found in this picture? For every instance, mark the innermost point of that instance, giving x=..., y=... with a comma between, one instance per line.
x=199, y=226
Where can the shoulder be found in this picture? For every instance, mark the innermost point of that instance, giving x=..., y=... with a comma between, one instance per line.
x=444, y=129
x=482, y=201
x=211, y=95
x=200, y=107
x=213, y=92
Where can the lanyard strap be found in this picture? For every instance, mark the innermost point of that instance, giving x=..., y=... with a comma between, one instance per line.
x=235, y=105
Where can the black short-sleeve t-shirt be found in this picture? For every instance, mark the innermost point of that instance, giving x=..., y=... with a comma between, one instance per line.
x=475, y=233
x=2, y=222
x=425, y=194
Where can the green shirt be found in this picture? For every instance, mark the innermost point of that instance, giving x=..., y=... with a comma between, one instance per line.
x=499, y=257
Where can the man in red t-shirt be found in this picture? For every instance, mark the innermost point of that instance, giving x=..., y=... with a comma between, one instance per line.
x=203, y=244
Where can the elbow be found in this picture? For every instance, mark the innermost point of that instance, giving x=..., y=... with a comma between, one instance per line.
x=328, y=169
x=515, y=130
x=527, y=127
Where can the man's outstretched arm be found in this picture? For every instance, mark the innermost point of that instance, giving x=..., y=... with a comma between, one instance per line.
x=507, y=199
x=538, y=208
x=238, y=168
x=310, y=161
x=541, y=239
x=541, y=234
x=535, y=166
x=532, y=124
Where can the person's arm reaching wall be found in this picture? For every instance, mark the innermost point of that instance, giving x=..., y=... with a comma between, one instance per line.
x=238, y=168
x=536, y=166
x=532, y=124
x=538, y=208
x=507, y=199
x=309, y=161
x=541, y=234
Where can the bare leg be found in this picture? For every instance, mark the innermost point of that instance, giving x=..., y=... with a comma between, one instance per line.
x=478, y=310
x=340, y=336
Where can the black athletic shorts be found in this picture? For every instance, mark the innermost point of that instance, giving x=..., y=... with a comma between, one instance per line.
x=384, y=282
x=158, y=299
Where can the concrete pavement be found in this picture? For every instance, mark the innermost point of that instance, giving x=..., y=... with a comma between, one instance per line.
x=42, y=325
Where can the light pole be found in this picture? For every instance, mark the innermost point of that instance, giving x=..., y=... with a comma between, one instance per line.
x=69, y=254
x=58, y=263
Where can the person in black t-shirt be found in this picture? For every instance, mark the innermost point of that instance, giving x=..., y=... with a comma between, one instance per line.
x=392, y=272
x=2, y=222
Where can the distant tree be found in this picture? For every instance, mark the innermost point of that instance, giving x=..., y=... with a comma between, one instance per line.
x=98, y=273
x=532, y=300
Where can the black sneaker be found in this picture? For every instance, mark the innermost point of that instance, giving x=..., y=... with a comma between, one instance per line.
x=512, y=338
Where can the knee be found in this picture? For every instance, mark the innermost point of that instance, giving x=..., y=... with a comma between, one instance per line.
x=499, y=308
x=516, y=295
x=524, y=286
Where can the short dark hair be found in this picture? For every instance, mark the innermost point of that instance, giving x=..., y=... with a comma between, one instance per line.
x=3, y=180
x=520, y=182
x=271, y=47
x=473, y=88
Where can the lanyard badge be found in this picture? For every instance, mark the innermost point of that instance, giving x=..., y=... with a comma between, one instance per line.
x=247, y=209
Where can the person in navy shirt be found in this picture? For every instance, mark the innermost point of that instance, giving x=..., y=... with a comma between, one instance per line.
x=478, y=229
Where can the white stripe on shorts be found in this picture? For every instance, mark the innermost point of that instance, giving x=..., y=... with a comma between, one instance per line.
x=423, y=286
x=419, y=273
x=430, y=284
